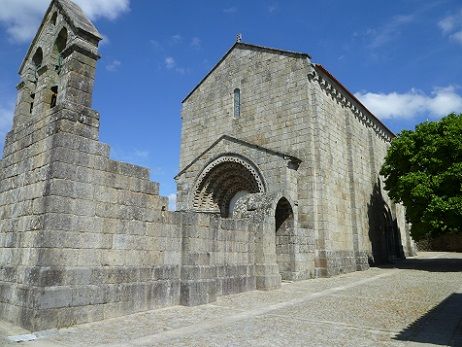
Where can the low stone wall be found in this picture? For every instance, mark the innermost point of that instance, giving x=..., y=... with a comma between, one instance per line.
x=85, y=238
x=218, y=258
x=450, y=242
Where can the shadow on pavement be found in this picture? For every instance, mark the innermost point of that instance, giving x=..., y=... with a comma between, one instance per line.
x=431, y=265
x=440, y=326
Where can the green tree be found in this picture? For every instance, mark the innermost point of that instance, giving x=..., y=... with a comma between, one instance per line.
x=423, y=170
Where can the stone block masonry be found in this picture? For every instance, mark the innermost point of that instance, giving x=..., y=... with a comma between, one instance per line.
x=311, y=141
x=85, y=238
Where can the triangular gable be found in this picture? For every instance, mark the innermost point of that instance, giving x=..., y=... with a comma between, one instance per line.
x=76, y=19
x=291, y=159
x=243, y=45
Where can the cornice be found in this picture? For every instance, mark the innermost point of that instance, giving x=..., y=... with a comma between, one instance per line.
x=344, y=98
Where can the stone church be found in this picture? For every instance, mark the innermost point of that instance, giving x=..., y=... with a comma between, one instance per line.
x=279, y=181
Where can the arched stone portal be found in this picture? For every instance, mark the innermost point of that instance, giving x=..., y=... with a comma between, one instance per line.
x=222, y=182
x=284, y=218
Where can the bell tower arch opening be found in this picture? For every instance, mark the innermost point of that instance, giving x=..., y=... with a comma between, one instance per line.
x=223, y=182
x=58, y=48
x=37, y=59
x=284, y=223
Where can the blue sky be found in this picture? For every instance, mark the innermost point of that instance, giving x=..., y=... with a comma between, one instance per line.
x=402, y=58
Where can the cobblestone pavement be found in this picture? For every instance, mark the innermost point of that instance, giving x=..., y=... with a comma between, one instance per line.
x=417, y=303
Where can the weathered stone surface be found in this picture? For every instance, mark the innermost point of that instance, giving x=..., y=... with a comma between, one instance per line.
x=85, y=238
x=310, y=142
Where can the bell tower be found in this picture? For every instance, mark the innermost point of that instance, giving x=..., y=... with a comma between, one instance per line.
x=59, y=69
x=54, y=129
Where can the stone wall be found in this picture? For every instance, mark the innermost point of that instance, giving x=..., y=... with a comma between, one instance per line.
x=85, y=238
x=360, y=216
x=297, y=108
x=88, y=238
x=274, y=107
x=218, y=258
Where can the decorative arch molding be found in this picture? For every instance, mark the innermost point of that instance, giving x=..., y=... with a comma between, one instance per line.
x=223, y=178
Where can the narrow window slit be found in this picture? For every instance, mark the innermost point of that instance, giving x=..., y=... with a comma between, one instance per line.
x=54, y=96
x=237, y=103
x=32, y=96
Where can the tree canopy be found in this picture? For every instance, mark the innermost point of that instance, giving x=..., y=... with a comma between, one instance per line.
x=423, y=170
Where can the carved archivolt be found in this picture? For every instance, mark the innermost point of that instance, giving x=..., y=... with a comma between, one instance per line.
x=221, y=180
x=359, y=112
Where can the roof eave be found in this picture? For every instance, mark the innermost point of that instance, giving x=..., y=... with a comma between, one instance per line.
x=351, y=95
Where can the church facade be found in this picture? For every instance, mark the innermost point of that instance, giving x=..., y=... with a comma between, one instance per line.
x=279, y=181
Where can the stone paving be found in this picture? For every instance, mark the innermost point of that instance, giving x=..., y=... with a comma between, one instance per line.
x=416, y=303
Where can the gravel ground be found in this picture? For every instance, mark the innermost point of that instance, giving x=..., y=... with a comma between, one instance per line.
x=416, y=303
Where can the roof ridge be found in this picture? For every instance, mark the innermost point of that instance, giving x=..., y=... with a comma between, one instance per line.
x=276, y=50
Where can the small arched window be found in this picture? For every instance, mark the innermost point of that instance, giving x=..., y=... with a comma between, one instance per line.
x=54, y=17
x=237, y=103
x=60, y=45
x=37, y=59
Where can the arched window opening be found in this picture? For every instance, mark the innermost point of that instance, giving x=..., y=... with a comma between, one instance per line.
x=60, y=45
x=237, y=103
x=54, y=96
x=54, y=18
x=284, y=219
x=37, y=59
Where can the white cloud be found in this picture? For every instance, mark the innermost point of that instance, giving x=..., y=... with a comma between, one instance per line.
x=447, y=24
x=110, y=9
x=451, y=26
x=271, y=8
x=388, y=32
x=21, y=18
x=105, y=39
x=440, y=102
x=457, y=36
x=176, y=38
x=141, y=153
x=169, y=62
x=196, y=42
x=172, y=202
x=230, y=10
x=156, y=45
x=113, y=66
